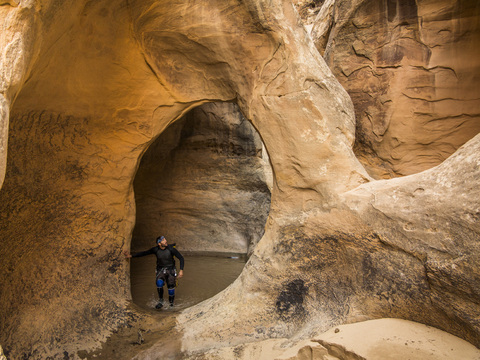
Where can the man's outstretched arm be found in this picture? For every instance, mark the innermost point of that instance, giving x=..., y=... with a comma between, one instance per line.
x=139, y=254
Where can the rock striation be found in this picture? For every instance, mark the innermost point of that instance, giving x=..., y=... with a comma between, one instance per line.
x=104, y=81
x=400, y=248
x=99, y=82
x=411, y=68
x=434, y=217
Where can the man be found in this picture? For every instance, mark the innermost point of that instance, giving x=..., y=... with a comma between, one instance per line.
x=166, y=272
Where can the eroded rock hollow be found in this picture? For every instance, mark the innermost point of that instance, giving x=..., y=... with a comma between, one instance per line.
x=88, y=87
x=205, y=183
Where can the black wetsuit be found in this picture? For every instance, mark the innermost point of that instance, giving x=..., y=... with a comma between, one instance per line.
x=164, y=256
x=165, y=272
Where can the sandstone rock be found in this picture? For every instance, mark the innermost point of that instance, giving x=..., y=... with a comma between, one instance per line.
x=410, y=70
x=2, y=356
x=402, y=251
x=308, y=10
x=4, y=116
x=17, y=46
x=433, y=216
x=323, y=24
x=106, y=81
x=395, y=339
x=203, y=184
x=108, y=78
x=275, y=349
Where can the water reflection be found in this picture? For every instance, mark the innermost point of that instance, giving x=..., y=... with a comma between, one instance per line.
x=204, y=277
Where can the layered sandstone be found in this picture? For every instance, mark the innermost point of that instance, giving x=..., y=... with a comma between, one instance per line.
x=106, y=80
x=411, y=68
x=402, y=248
x=103, y=80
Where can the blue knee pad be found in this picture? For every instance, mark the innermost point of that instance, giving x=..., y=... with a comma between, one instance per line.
x=171, y=292
x=160, y=283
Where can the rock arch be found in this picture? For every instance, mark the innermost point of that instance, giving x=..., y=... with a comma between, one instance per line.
x=204, y=184
x=98, y=81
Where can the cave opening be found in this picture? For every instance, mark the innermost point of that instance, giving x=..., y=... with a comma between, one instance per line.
x=205, y=185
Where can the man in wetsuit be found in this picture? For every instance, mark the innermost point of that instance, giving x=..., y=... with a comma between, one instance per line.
x=166, y=272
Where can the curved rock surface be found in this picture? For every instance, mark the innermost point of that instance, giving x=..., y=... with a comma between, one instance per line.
x=105, y=79
x=204, y=184
x=374, y=340
x=434, y=217
x=411, y=68
x=380, y=253
x=18, y=45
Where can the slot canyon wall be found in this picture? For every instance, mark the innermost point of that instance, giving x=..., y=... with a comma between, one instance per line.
x=204, y=184
x=88, y=86
x=412, y=70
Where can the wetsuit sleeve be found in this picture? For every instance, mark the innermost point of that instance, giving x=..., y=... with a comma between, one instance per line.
x=179, y=256
x=144, y=253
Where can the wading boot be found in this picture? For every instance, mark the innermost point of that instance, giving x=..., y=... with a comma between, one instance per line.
x=160, y=296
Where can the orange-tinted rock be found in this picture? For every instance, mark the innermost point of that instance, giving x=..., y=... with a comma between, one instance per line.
x=106, y=81
x=411, y=68
x=109, y=77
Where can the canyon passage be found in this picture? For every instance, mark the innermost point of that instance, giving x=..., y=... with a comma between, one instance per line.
x=332, y=143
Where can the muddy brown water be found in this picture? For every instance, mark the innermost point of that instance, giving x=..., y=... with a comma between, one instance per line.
x=204, y=277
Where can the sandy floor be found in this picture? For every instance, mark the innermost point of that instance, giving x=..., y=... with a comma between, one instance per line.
x=150, y=329
x=382, y=339
x=397, y=339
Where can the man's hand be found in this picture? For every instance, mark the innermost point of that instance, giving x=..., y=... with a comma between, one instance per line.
x=127, y=254
x=180, y=274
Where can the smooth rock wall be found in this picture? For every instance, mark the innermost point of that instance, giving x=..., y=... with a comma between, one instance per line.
x=204, y=184
x=105, y=81
x=108, y=77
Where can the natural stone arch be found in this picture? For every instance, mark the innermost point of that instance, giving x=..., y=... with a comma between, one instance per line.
x=204, y=183
x=92, y=110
